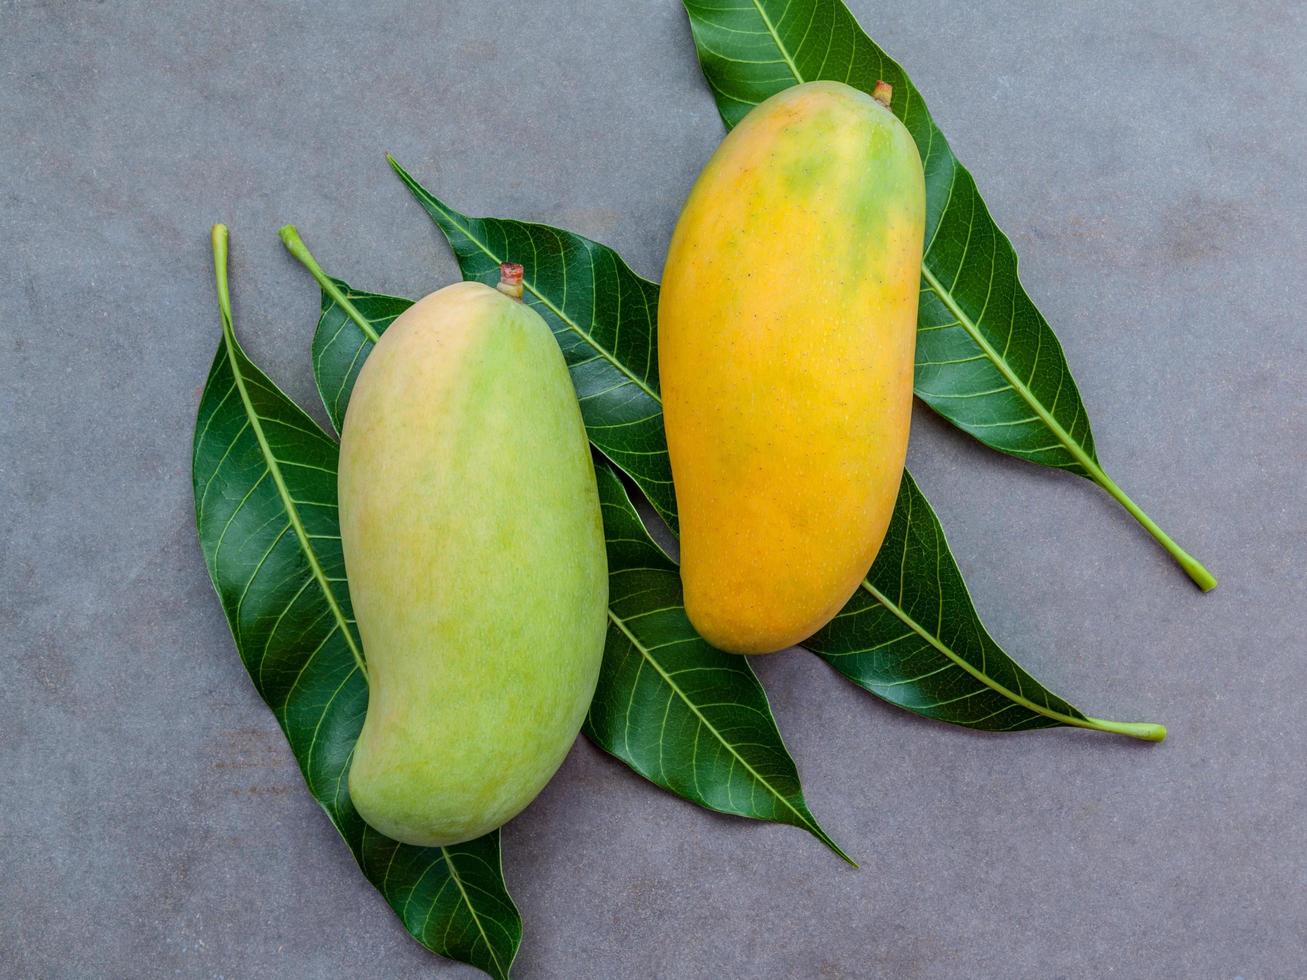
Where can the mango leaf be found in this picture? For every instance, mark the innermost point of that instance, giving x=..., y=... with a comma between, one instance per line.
x=349, y=324
x=910, y=635
x=987, y=359
x=609, y=347
x=265, y=507
x=688, y=718
x=979, y=671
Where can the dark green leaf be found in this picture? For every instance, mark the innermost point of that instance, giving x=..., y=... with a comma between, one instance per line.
x=337, y=353
x=710, y=737
x=609, y=346
x=687, y=717
x=987, y=359
x=265, y=507
x=943, y=649
x=911, y=636
x=348, y=326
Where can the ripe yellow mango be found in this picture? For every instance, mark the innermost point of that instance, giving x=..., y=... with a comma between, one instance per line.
x=474, y=546
x=786, y=333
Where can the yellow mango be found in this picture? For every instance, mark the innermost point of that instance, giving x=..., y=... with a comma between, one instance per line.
x=786, y=334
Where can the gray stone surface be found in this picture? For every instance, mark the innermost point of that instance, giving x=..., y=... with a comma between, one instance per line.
x=1150, y=163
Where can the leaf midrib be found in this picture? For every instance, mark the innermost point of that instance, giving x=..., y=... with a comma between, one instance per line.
x=563, y=317
x=771, y=29
x=667, y=679
x=229, y=342
x=1072, y=446
x=946, y=297
x=458, y=883
x=343, y=302
x=975, y=672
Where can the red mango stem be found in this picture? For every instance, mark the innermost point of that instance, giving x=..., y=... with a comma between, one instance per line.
x=510, y=280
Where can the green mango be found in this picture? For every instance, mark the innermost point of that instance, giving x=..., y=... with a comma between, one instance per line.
x=474, y=546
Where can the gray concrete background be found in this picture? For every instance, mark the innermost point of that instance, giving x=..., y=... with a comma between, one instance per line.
x=1148, y=161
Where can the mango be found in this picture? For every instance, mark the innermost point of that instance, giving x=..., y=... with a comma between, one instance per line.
x=474, y=548
x=786, y=334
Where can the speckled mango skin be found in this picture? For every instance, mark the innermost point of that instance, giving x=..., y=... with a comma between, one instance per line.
x=474, y=547
x=786, y=334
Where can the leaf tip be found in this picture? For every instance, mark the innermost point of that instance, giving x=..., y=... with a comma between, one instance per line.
x=849, y=860
x=414, y=187
x=815, y=829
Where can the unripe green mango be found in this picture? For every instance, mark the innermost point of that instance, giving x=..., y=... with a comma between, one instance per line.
x=474, y=546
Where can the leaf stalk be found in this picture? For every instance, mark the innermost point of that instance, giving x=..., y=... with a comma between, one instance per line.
x=1195, y=569
x=1146, y=731
x=219, y=237
x=1204, y=579
x=290, y=237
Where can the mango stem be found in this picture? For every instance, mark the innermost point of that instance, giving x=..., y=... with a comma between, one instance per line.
x=883, y=93
x=510, y=280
